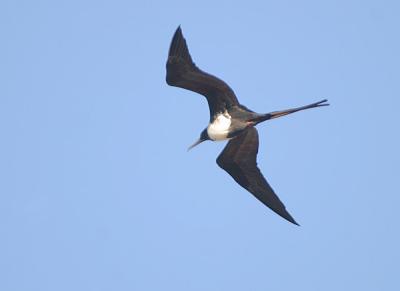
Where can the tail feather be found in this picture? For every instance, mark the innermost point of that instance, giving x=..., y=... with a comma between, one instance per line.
x=276, y=114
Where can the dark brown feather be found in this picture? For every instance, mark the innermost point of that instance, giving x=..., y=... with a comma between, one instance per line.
x=182, y=72
x=239, y=159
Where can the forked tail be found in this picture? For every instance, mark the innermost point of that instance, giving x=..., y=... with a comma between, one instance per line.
x=277, y=114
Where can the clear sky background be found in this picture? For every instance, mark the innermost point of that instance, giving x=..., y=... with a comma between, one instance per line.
x=98, y=191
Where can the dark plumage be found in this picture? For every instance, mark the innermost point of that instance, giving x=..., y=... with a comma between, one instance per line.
x=182, y=72
x=228, y=120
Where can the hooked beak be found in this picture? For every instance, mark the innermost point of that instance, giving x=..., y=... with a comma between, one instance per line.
x=199, y=141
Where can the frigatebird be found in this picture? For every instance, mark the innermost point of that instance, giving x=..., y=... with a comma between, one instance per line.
x=229, y=120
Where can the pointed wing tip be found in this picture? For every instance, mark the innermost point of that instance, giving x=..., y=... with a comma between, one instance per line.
x=178, y=34
x=178, y=47
x=289, y=218
x=178, y=30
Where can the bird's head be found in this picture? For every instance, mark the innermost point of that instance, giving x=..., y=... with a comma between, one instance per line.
x=203, y=137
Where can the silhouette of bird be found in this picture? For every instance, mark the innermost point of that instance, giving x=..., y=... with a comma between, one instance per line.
x=229, y=120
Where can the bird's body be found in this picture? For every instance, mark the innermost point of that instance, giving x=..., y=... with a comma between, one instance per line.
x=228, y=120
x=219, y=128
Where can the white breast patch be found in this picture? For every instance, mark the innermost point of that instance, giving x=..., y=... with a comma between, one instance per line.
x=219, y=129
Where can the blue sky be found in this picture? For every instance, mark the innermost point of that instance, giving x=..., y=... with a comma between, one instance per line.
x=98, y=191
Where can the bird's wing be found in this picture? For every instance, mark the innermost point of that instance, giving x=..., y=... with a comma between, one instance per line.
x=182, y=72
x=239, y=159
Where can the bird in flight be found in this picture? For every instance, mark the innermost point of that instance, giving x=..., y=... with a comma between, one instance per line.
x=229, y=120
